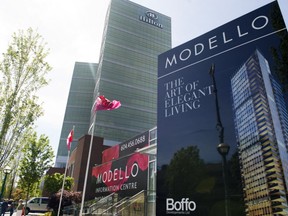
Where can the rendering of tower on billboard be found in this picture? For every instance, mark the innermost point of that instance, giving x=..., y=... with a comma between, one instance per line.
x=261, y=124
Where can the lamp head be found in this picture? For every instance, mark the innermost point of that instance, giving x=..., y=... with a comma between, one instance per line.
x=7, y=170
x=223, y=149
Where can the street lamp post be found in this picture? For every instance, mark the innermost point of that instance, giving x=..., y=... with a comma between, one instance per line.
x=222, y=147
x=223, y=150
x=6, y=171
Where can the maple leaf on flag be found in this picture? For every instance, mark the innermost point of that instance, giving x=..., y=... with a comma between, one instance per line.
x=70, y=139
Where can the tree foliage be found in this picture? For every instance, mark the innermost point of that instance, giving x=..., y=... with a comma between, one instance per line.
x=37, y=158
x=185, y=169
x=53, y=183
x=22, y=73
x=68, y=198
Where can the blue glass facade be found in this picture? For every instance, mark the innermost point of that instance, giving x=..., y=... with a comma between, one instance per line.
x=79, y=103
x=133, y=38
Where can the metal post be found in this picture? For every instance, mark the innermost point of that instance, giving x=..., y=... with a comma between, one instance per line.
x=222, y=148
x=87, y=166
x=3, y=185
x=225, y=185
x=219, y=125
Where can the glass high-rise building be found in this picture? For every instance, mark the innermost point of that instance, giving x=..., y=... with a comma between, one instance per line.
x=78, y=108
x=261, y=121
x=133, y=37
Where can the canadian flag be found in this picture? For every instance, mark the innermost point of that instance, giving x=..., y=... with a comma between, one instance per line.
x=70, y=139
x=103, y=103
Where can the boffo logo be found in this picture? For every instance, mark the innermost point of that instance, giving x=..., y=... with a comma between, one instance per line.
x=185, y=206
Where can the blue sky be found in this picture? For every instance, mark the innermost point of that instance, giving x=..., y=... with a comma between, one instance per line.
x=73, y=31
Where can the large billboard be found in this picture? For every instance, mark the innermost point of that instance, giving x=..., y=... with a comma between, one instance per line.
x=225, y=90
x=122, y=170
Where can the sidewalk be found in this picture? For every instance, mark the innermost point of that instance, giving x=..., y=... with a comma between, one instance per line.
x=30, y=214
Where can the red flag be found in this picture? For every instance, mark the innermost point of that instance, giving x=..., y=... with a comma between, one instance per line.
x=70, y=139
x=103, y=103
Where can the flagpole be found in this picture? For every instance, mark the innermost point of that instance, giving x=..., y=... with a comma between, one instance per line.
x=64, y=179
x=101, y=103
x=88, y=164
x=63, y=183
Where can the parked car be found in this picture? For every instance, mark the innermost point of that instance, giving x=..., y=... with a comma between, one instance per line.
x=37, y=204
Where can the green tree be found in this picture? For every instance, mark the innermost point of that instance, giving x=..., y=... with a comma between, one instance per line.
x=37, y=158
x=53, y=183
x=22, y=73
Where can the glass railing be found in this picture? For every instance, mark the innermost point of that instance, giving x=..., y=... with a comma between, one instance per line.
x=105, y=203
x=134, y=206
x=96, y=205
x=138, y=205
